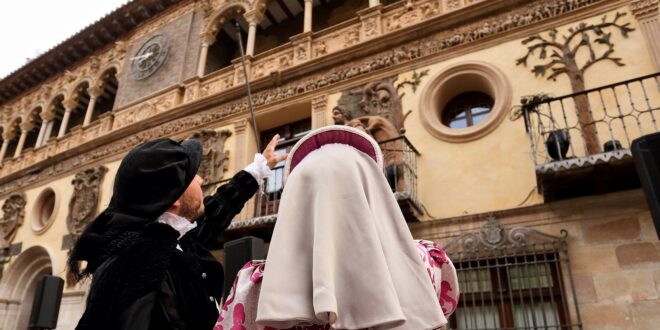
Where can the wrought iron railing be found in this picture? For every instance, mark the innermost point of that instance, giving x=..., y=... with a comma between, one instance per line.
x=513, y=278
x=400, y=170
x=591, y=125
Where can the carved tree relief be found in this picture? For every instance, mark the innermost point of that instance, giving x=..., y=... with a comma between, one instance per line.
x=215, y=159
x=560, y=55
x=84, y=202
x=13, y=212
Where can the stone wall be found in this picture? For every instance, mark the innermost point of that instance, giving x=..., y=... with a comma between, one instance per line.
x=613, y=249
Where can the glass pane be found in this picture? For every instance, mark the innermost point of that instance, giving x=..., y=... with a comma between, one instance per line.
x=274, y=182
x=482, y=317
x=473, y=105
x=476, y=119
x=474, y=280
x=460, y=123
x=535, y=315
x=530, y=276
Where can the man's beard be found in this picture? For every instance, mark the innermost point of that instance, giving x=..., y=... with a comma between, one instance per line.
x=190, y=208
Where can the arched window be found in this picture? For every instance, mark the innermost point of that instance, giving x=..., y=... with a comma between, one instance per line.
x=225, y=48
x=15, y=128
x=78, y=112
x=53, y=126
x=105, y=102
x=33, y=134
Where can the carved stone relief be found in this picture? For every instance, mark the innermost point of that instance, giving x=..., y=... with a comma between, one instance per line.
x=84, y=202
x=13, y=212
x=215, y=159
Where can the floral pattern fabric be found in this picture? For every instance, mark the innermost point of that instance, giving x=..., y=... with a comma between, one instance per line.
x=239, y=311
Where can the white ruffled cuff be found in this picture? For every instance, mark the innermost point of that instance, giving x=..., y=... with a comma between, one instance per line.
x=259, y=168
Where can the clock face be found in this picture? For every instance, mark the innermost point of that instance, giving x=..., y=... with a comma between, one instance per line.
x=151, y=55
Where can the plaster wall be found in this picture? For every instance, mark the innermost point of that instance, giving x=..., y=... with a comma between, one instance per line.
x=496, y=171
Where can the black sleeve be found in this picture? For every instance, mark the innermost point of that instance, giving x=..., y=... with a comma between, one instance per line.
x=221, y=207
x=138, y=315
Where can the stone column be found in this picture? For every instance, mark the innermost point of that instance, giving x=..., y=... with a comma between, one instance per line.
x=646, y=12
x=308, y=16
x=49, y=131
x=25, y=129
x=68, y=107
x=374, y=3
x=242, y=158
x=46, y=121
x=253, y=18
x=319, y=105
x=93, y=95
x=208, y=38
x=6, y=137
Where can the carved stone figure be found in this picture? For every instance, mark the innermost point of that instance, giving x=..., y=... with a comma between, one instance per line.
x=13, y=212
x=215, y=158
x=85, y=199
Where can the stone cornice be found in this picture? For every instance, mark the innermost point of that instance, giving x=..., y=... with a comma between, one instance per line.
x=532, y=215
x=417, y=46
x=644, y=8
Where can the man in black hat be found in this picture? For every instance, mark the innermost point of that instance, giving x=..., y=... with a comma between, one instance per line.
x=147, y=250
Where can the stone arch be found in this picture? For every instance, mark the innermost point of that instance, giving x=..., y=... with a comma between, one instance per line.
x=33, y=117
x=214, y=23
x=18, y=285
x=15, y=124
x=105, y=87
x=73, y=87
x=79, y=98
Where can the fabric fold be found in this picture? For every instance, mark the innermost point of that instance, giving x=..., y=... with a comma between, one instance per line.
x=341, y=252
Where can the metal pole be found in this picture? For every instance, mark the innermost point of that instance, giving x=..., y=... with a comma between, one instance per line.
x=247, y=86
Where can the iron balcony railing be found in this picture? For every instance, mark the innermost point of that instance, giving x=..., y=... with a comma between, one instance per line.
x=400, y=170
x=592, y=125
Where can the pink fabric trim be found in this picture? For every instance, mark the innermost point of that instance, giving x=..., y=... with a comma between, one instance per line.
x=333, y=136
x=239, y=311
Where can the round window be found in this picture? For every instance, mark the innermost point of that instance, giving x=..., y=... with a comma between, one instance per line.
x=465, y=101
x=43, y=212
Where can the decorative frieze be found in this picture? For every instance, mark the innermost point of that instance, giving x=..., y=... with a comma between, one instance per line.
x=644, y=8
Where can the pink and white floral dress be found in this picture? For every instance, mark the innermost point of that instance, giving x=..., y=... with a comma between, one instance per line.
x=239, y=312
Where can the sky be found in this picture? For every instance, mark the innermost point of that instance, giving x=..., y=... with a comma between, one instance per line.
x=31, y=27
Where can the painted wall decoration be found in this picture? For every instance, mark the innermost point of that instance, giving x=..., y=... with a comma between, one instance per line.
x=559, y=55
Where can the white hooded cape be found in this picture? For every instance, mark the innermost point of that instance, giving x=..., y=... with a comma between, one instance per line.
x=341, y=252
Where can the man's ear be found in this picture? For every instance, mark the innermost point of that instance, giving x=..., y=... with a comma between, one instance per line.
x=175, y=207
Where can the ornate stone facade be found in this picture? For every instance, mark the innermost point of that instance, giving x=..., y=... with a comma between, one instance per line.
x=409, y=52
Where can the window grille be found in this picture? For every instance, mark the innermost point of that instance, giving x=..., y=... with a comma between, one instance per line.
x=515, y=278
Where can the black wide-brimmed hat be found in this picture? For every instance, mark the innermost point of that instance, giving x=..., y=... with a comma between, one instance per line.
x=154, y=175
